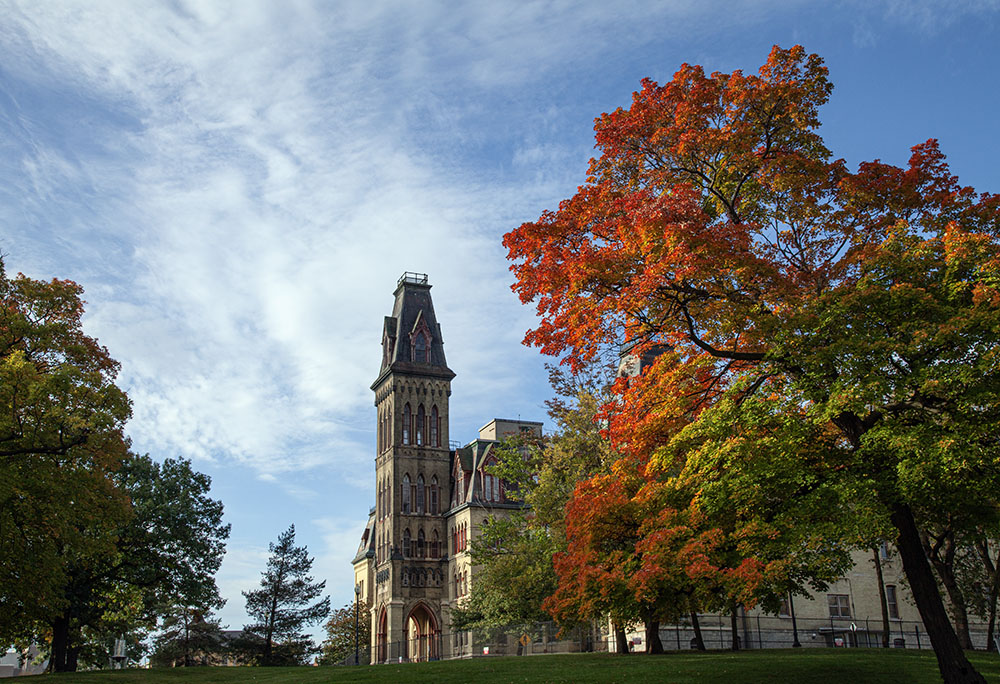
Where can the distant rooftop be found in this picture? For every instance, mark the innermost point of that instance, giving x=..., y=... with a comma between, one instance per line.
x=412, y=278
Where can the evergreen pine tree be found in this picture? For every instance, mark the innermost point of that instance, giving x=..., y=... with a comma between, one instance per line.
x=282, y=607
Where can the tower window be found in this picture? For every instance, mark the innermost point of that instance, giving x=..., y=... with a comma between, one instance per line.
x=406, y=543
x=420, y=425
x=406, y=494
x=421, y=548
x=420, y=349
x=420, y=494
x=434, y=495
x=435, y=428
x=406, y=423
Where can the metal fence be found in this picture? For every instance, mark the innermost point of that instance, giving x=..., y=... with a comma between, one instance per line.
x=753, y=632
x=767, y=631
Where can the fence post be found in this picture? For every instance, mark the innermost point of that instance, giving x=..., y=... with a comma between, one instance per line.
x=677, y=631
x=760, y=636
x=868, y=635
x=916, y=630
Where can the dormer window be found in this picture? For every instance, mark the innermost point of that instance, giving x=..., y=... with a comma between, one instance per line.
x=388, y=345
x=420, y=341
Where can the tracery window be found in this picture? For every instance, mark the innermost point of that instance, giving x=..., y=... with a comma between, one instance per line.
x=406, y=543
x=420, y=425
x=421, y=544
x=434, y=495
x=406, y=423
x=435, y=430
x=420, y=494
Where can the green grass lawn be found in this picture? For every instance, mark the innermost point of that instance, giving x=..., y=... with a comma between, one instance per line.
x=819, y=666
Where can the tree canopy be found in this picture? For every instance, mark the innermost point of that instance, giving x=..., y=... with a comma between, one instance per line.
x=61, y=437
x=715, y=224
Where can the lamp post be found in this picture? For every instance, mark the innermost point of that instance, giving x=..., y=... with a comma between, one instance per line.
x=795, y=627
x=357, y=599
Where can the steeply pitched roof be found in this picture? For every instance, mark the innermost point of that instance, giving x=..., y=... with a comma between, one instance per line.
x=412, y=308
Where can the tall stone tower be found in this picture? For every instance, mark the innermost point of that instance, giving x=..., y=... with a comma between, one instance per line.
x=412, y=476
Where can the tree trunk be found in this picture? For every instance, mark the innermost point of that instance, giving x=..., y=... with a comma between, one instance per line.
x=991, y=644
x=734, y=632
x=60, y=644
x=942, y=556
x=982, y=545
x=952, y=663
x=621, y=643
x=881, y=597
x=699, y=642
x=653, y=643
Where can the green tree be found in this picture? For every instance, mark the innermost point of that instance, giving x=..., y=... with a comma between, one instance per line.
x=61, y=437
x=188, y=636
x=514, y=554
x=167, y=551
x=347, y=628
x=283, y=604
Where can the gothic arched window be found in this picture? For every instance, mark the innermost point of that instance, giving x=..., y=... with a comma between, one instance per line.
x=420, y=425
x=406, y=494
x=420, y=348
x=421, y=544
x=434, y=495
x=435, y=430
x=435, y=545
x=406, y=543
x=406, y=423
x=420, y=494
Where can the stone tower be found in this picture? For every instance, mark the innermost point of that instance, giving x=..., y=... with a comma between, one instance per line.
x=412, y=471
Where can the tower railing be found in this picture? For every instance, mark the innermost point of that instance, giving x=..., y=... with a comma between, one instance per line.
x=412, y=278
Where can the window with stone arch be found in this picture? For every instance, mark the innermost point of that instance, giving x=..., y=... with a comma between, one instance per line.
x=406, y=543
x=421, y=544
x=434, y=495
x=421, y=347
x=406, y=423
x=420, y=425
x=435, y=551
x=406, y=494
x=435, y=430
x=420, y=494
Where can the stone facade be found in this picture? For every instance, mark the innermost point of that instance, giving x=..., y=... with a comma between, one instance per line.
x=413, y=564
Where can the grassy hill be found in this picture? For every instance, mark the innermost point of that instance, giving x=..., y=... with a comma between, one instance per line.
x=819, y=666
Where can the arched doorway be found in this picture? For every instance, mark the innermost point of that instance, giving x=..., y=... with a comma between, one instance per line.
x=421, y=634
x=381, y=654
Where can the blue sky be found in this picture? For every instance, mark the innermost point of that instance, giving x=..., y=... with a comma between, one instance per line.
x=238, y=186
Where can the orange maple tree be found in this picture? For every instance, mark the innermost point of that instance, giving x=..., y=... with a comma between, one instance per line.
x=715, y=223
